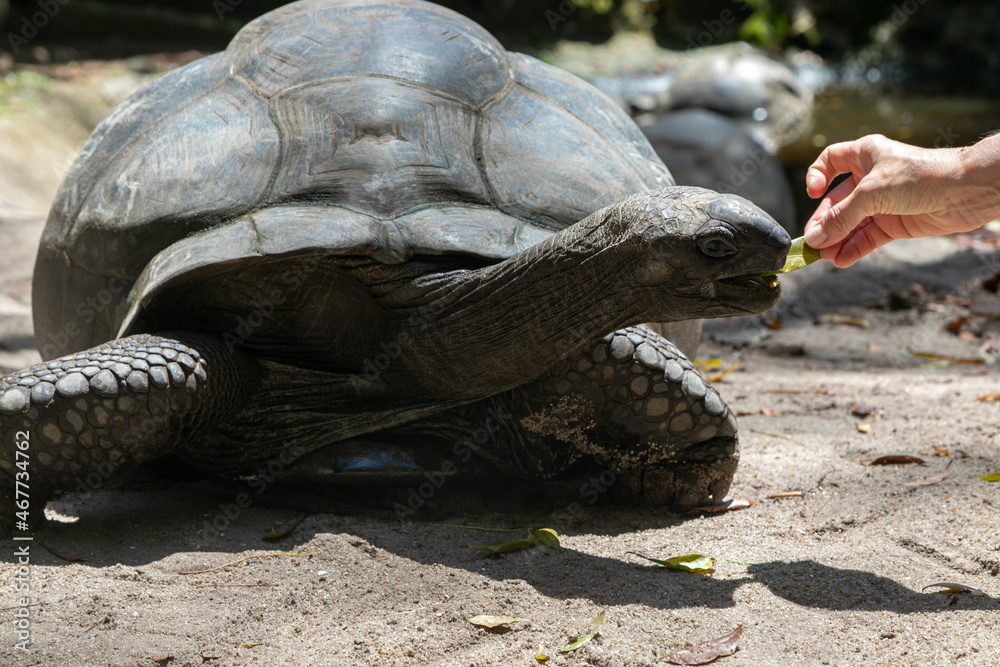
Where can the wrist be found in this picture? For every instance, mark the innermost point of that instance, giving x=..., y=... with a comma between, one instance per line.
x=977, y=180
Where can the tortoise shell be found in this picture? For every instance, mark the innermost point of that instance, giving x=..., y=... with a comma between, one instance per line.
x=391, y=130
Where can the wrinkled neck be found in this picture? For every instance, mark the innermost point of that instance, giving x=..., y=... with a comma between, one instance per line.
x=480, y=332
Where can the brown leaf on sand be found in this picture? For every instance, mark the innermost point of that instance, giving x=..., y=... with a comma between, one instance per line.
x=494, y=622
x=707, y=652
x=933, y=479
x=844, y=320
x=162, y=659
x=737, y=503
x=956, y=325
x=989, y=397
x=896, y=460
x=763, y=411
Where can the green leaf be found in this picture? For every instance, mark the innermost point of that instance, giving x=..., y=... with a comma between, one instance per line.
x=491, y=622
x=274, y=535
x=547, y=538
x=695, y=563
x=799, y=256
x=995, y=477
x=541, y=657
x=505, y=547
x=595, y=627
x=544, y=536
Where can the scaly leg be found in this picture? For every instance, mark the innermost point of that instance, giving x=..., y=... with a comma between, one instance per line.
x=88, y=417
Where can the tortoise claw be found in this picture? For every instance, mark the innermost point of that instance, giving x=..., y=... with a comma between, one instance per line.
x=681, y=486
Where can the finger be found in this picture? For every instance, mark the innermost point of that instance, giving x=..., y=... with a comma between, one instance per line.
x=818, y=232
x=842, y=158
x=843, y=217
x=830, y=254
x=865, y=239
x=833, y=198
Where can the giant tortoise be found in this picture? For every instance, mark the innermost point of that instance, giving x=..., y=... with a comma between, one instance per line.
x=360, y=236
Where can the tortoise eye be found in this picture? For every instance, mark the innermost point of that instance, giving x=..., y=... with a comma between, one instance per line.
x=719, y=244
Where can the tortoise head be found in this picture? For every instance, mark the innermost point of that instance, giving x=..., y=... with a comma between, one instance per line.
x=695, y=250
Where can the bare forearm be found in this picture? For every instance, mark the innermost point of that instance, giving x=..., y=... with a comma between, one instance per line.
x=977, y=180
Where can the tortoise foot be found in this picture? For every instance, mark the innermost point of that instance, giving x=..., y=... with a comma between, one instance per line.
x=680, y=486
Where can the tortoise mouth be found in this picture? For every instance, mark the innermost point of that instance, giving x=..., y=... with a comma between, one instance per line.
x=749, y=293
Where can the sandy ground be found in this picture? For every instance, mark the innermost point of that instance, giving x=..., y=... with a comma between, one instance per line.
x=831, y=577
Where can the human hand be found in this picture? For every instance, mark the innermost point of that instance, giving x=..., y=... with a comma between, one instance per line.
x=897, y=191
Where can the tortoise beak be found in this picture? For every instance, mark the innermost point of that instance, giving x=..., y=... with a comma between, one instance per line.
x=749, y=294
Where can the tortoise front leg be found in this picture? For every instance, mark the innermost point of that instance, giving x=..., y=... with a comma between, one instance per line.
x=91, y=416
x=635, y=404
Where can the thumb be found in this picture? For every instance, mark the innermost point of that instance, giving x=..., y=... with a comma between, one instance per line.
x=837, y=222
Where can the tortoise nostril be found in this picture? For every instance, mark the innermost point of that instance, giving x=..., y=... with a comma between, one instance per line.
x=778, y=237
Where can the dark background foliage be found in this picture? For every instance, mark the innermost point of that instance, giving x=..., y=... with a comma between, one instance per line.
x=941, y=44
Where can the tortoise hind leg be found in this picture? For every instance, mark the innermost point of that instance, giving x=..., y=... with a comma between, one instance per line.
x=88, y=417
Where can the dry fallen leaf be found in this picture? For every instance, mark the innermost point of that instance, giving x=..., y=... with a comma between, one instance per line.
x=736, y=503
x=787, y=494
x=940, y=452
x=896, y=460
x=990, y=397
x=541, y=657
x=769, y=413
x=955, y=326
x=863, y=428
x=949, y=588
x=595, y=627
x=933, y=479
x=945, y=359
x=707, y=652
x=490, y=622
x=162, y=659
x=846, y=320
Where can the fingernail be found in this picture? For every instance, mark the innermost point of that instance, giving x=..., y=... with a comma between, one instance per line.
x=813, y=180
x=815, y=236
